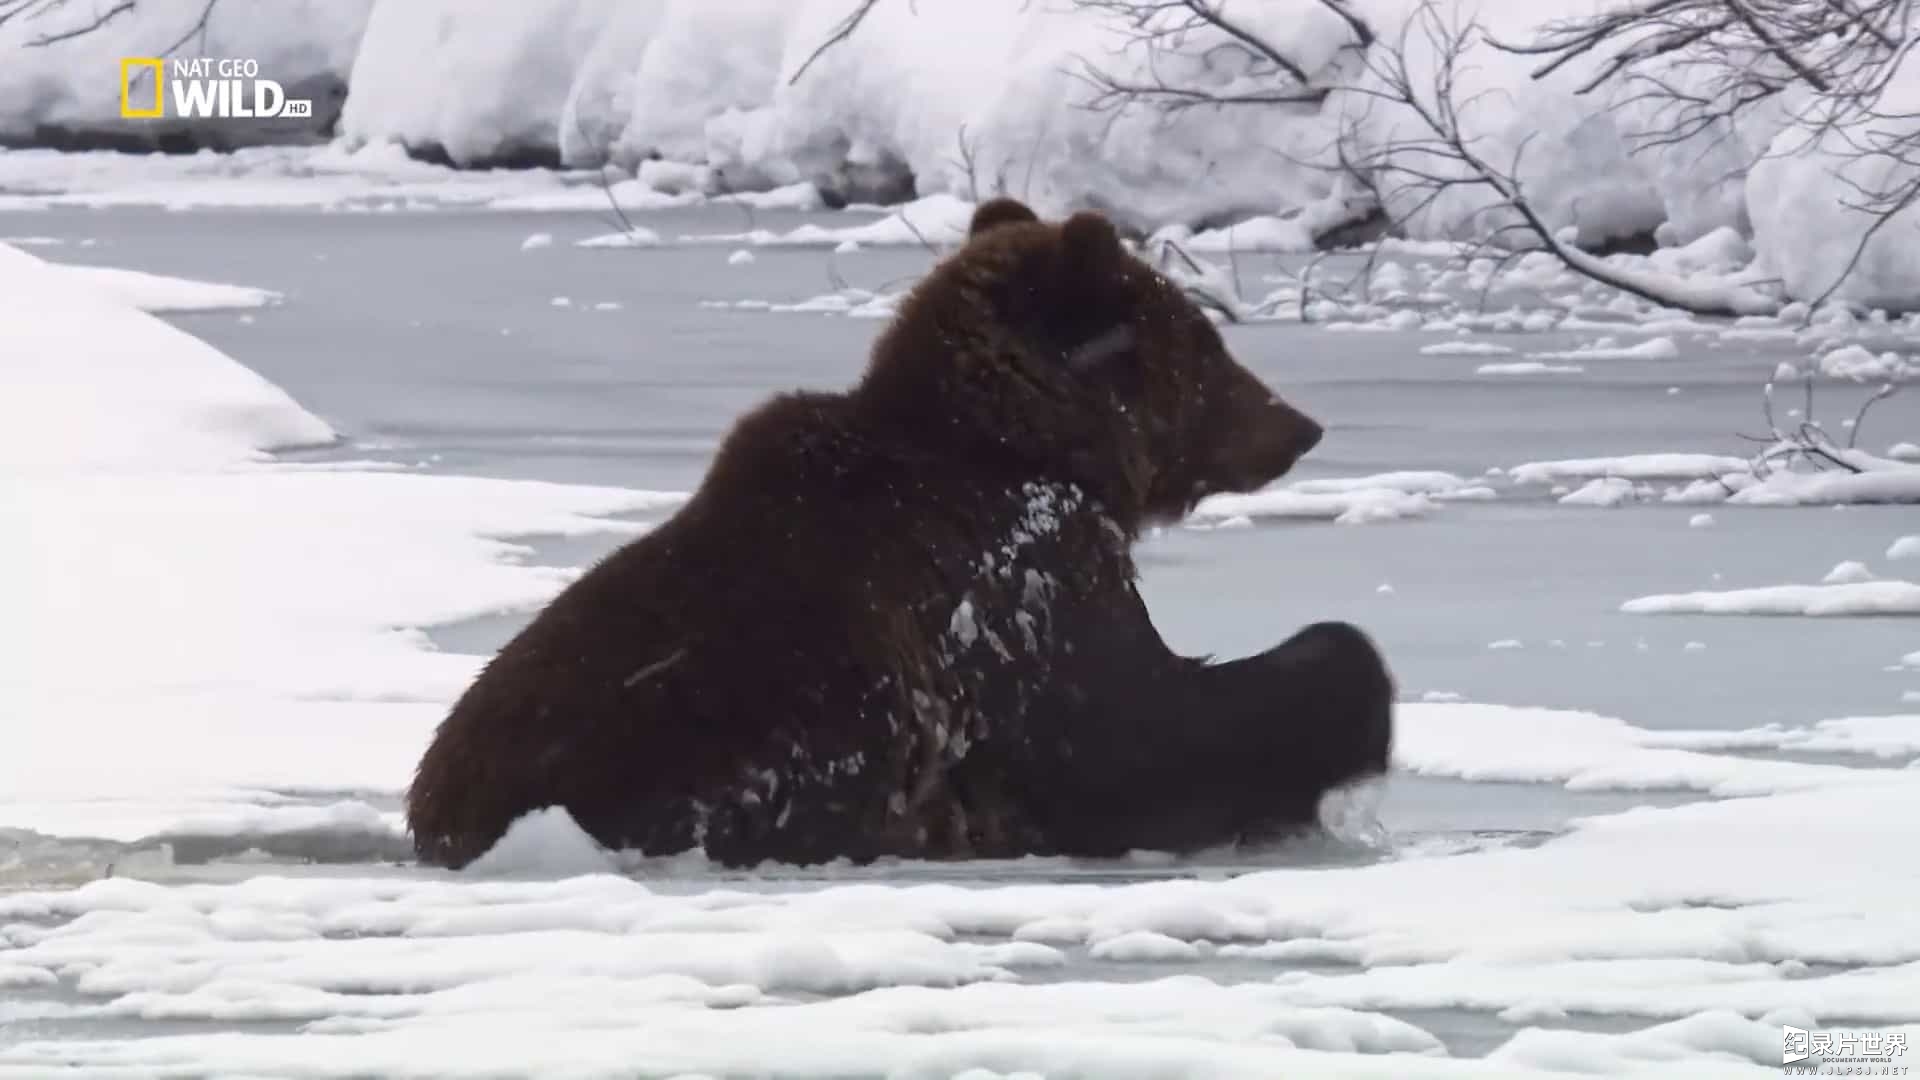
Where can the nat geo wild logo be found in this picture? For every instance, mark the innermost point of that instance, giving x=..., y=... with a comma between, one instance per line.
x=204, y=88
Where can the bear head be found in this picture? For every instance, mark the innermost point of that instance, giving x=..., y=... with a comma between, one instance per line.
x=1053, y=345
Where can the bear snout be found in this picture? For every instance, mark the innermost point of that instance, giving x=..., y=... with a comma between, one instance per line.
x=1306, y=431
x=1273, y=437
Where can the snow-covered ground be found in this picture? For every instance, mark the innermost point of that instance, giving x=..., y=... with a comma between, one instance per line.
x=149, y=528
x=231, y=645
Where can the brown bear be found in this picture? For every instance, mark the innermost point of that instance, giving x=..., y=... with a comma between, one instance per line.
x=902, y=620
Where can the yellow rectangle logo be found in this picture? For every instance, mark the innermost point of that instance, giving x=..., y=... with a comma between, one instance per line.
x=129, y=68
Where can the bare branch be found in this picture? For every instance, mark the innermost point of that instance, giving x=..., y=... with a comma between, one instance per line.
x=197, y=29
x=103, y=18
x=841, y=31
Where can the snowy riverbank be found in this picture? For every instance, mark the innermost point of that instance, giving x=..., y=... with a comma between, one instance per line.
x=212, y=638
x=956, y=97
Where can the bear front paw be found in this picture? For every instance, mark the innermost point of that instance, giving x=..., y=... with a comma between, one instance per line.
x=1339, y=701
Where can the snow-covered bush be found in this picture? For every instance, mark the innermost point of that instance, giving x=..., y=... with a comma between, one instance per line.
x=707, y=69
x=1819, y=202
x=1560, y=126
x=476, y=84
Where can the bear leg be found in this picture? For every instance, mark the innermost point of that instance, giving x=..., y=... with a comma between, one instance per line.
x=1200, y=754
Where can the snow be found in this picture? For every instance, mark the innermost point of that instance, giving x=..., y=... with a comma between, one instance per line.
x=1587, y=752
x=543, y=843
x=1348, y=500
x=1662, y=466
x=852, y=302
x=1886, y=737
x=687, y=80
x=1857, y=363
x=94, y=382
x=1806, y=192
x=1354, y=507
x=1465, y=348
x=1679, y=922
x=1655, y=348
x=160, y=293
x=1895, y=485
x=938, y=221
x=597, y=92
x=1529, y=367
x=1136, y=946
x=477, y=86
x=1906, y=547
x=1846, y=598
x=1847, y=573
x=950, y=98
x=638, y=236
x=135, y=453
x=1605, y=491
x=1411, y=482
x=376, y=176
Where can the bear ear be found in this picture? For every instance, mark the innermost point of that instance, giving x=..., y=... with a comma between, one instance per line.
x=1090, y=241
x=999, y=211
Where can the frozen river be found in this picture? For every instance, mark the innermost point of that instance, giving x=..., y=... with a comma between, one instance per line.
x=433, y=341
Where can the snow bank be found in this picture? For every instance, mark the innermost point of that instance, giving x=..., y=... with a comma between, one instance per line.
x=1606, y=491
x=936, y=221
x=1804, y=195
x=1466, y=348
x=1846, y=598
x=1664, y=466
x=1567, y=150
x=1348, y=500
x=473, y=85
x=1857, y=363
x=94, y=383
x=959, y=98
x=160, y=293
x=374, y=177
x=68, y=92
x=973, y=98
x=1348, y=507
x=1899, y=484
x=157, y=545
x=599, y=96
x=1586, y=752
x=1657, y=348
x=697, y=88
x=1877, y=736
x=1529, y=367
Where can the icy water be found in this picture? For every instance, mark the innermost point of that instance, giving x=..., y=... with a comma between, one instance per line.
x=432, y=340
